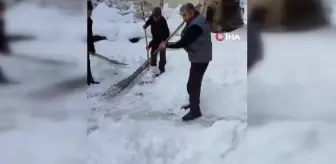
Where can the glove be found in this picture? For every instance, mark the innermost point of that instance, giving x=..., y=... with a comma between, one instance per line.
x=163, y=45
x=148, y=48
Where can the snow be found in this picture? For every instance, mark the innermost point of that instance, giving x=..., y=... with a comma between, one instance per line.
x=39, y=122
x=291, y=100
x=35, y=24
x=243, y=4
x=333, y=11
x=143, y=125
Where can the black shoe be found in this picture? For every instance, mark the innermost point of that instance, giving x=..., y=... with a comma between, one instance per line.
x=195, y=112
x=185, y=107
x=191, y=116
x=162, y=70
x=158, y=74
x=93, y=82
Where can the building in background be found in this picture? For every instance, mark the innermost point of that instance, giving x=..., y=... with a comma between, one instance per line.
x=223, y=15
x=279, y=15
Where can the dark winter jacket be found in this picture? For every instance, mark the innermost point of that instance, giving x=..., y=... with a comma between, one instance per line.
x=196, y=40
x=90, y=44
x=159, y=30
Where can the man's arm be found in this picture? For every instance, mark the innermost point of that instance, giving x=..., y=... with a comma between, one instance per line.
x=189, y=37
x=167, y=32
x=148, y=22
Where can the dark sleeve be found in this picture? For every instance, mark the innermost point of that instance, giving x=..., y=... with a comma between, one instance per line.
x=149, y=21
x=189, y=37
x=90, y=44
x=167, y=32
x=150, y=44
x=89, y=28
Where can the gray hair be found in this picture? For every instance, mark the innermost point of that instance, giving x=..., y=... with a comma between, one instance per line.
x=188, y=7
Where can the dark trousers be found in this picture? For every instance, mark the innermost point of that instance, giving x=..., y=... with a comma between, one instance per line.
x=162, y=61
x=89, y=75
x=196, y=73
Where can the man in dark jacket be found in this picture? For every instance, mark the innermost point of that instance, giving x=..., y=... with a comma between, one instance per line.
x=90, y=44
x=196, y=40
x=4, y=47
x=160, y=32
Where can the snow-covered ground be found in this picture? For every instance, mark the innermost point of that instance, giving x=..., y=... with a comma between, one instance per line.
x=41, y=121
x=291, y=100
x=143, y=125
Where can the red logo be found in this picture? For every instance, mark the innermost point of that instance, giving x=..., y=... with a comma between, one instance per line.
x=220, y=36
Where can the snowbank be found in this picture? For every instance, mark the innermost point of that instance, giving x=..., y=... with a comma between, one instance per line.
x=303, y=142
x=102, y=13
x=110, y=23
x=145, y=142
x=173, y=17
x=38, y=141
x=29, y=19
x=291, y=100
x=35, y=128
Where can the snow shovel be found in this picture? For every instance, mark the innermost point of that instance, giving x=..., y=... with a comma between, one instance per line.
x=114, y=62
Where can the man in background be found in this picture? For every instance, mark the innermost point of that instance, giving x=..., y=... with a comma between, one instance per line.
x=160, y=32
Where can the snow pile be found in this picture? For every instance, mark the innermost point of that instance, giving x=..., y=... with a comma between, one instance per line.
x=307, y=78
x=39, y=141
x=39, y=122
x=105, y=13
x=26, y=19
x=115, y=26
x=291, y=100
x=110, y=23
x=303, y=142
x=173, y=17
x=145, y=142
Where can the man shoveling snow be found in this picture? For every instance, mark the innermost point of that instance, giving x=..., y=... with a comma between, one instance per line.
x=196, y=40
x=160, y=32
